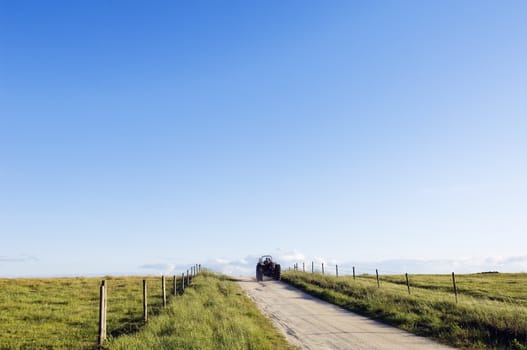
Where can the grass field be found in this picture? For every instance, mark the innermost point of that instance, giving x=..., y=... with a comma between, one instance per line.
x=62, y=313
x=491, y=312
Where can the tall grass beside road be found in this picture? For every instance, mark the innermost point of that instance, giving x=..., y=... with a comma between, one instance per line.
x=214, y=314
x=491, y=312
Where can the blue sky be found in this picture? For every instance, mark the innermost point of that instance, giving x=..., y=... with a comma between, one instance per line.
x=140, y=137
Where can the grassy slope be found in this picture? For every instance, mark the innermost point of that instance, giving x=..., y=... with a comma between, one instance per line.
x=213, y=314
x=62, y=313
x=491, y=313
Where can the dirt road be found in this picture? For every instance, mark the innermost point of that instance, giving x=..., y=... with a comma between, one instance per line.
x=311, y=323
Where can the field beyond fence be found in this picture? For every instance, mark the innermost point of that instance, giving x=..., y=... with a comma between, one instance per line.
x=469, y=311
x=65, y=313
x=212, y=314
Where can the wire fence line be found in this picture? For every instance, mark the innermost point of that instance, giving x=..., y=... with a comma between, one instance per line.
x=349, y=269
x=153, y=298
x=335, y=270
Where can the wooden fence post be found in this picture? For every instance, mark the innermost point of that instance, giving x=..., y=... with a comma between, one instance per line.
x=145, y=301
x=175, y=286
x=199, y=268
x=312, y=267
x=303, y=267
x=188, y=278
x=105, y=305
x=322, y=268
x=337, y=270
x=102, y=314
x=407, y=282
x=377, y=273
x=455, y=286
x=182, y=282
x=164, y=291
x=353, y=272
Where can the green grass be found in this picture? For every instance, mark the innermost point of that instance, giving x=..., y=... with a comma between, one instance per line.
x=213, y=314
x=491, y=312
x=62, y=313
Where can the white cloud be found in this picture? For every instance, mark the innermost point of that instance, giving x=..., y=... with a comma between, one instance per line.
x=160, y=268
x=290, y=257
x=246, y=266
x=18, y=258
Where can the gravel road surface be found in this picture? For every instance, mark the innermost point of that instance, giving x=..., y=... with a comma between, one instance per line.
x=311, y=323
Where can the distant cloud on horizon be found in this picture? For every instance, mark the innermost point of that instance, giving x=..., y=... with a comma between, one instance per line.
x=162, y=268
x=17, y=259
x=245, y=266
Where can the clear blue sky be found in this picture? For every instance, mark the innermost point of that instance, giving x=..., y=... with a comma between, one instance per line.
x=140, y=133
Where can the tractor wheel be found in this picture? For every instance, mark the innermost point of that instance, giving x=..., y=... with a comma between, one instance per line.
x=259, y=273
x=277, y=271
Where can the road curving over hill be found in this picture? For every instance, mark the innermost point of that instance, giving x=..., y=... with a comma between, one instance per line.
x=311, y=323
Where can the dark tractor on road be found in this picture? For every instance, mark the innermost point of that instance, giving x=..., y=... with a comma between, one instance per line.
x=267, y=267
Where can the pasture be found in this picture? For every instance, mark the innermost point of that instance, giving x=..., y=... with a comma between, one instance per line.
x=62, y=313
x=491, y=312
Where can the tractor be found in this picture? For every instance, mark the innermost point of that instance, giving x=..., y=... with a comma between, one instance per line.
x=267, y=267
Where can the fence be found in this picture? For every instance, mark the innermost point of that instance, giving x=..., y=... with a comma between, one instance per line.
x=178, y=288
x=323, y=270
